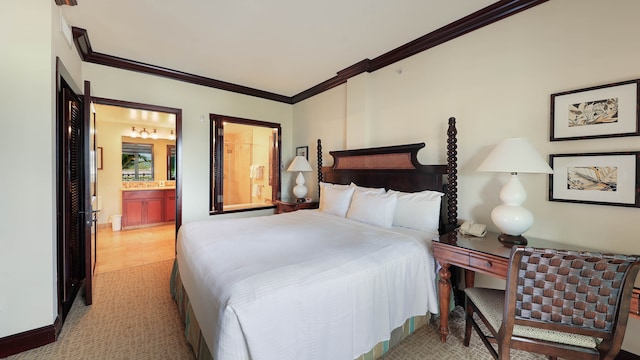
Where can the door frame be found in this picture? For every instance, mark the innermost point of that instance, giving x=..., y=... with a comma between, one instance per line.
x=178, y=114
x=90, y=178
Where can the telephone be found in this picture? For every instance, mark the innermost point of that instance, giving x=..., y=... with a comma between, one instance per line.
x=471, y=228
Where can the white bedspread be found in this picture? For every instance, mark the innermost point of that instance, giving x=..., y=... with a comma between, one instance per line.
x=302, y=285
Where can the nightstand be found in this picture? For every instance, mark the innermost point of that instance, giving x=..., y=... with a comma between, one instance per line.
x=283, y=206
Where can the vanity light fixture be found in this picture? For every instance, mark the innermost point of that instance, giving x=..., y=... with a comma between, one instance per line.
x=172, y=136
x=145, y=134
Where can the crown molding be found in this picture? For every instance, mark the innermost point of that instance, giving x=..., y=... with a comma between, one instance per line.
x=490, y=14
x=475, y=21
x=81, y=39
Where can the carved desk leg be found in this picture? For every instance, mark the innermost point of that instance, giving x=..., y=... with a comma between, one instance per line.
x=444, y=293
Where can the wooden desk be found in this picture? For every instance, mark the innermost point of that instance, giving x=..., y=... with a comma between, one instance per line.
x=479, y=255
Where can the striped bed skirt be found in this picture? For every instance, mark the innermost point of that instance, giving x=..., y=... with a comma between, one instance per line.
x=202, y=352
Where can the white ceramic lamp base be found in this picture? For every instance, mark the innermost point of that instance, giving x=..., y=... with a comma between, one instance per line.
x=300, y=191
x=510, y=217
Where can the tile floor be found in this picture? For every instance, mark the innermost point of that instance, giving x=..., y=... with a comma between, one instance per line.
x=121, y=249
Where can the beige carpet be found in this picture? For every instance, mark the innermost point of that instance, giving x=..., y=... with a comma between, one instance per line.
x=134, y=317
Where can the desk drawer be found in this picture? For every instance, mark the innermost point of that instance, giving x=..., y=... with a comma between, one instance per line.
x=489, y=265
x=450, y=255
x=143, y=194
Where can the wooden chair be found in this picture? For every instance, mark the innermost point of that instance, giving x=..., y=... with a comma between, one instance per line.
x=559, y=303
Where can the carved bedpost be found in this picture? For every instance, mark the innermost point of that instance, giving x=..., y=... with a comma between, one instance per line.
x=452, y=176
x=319, y=166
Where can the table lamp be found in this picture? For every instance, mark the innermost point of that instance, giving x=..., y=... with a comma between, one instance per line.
x=514, y=155
x=299, y=164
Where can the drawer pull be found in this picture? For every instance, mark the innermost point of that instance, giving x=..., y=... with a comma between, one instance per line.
x=488, y=264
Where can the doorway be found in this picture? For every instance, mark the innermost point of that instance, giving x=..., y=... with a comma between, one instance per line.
x=139, y=153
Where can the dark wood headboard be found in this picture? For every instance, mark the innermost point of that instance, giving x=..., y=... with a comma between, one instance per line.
x=397, y=168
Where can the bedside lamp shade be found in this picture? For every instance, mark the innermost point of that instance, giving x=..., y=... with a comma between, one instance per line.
x=514, y=155
x=299, y=164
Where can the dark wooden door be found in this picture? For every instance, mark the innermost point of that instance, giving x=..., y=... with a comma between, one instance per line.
x=71, y=200
x=77, y=187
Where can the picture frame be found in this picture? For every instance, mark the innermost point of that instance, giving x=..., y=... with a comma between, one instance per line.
x=596, y=178
x=99, y=158
x=303, y=151
x=596, y=112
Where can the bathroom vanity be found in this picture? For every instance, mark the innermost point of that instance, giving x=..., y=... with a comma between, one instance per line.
x=143, y=207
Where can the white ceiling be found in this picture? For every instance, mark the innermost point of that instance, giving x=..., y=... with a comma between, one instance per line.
x=279, y=46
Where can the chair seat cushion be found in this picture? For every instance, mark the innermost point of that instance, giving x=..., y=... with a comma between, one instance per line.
x=490, y=302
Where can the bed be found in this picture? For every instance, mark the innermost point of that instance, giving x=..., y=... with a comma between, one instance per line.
x=346, y=281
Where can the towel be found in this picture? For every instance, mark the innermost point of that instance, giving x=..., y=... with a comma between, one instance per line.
x=255, y=171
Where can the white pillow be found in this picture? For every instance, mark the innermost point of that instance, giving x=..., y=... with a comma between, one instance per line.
x=362, y=188
x=419, y=210
x=373, y=208
x=335, y=199
x=336, y=186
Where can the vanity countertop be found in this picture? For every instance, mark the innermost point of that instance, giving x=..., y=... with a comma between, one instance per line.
x=149, y=188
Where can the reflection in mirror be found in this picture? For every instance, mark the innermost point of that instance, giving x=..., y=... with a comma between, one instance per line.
x=171, y=162
x=137, y=162
x=245, y=171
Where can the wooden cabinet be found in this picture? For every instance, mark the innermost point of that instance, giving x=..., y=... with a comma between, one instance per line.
x=145, y=207
x=283, y=207
x=170, y=205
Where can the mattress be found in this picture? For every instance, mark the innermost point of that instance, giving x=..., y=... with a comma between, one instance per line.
x=303, y=284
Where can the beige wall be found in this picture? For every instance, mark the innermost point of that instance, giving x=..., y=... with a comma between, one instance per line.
x=497, y=82
x=321, y=117
x=27, y=197
x=30, y=43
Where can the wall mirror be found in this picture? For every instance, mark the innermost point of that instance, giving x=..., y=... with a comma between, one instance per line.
x=245, y=171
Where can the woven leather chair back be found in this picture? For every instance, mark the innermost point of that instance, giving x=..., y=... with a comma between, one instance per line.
x=565, y=289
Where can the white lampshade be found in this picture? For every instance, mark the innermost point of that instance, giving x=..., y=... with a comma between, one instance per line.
x=513, y=156
x=299, y=164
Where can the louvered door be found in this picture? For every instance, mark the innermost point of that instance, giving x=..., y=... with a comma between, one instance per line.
x=71, y=184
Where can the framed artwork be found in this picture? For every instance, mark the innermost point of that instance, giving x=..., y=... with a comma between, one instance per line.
x=303, y=151
x=99, y=158
x=596, y=178
x=596, y=112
